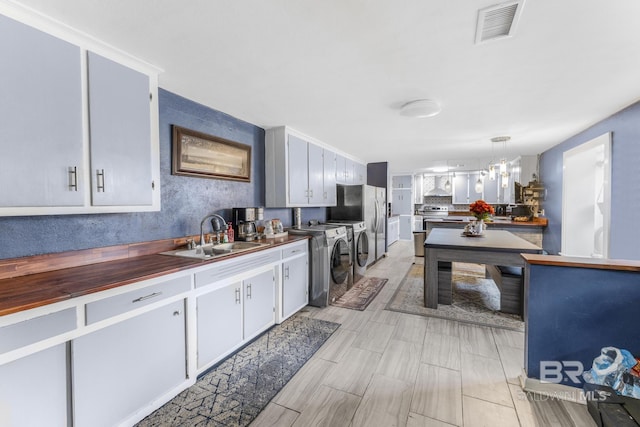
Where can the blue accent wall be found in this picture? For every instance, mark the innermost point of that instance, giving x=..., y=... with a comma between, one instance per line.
x=573, y=312
x=185, y=200
x=625, y=183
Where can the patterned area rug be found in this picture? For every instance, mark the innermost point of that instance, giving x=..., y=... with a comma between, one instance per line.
x=361, y=294
x=235, y=391
x=475, y=299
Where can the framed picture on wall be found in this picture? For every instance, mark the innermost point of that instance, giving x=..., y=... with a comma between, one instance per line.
x=207, y=156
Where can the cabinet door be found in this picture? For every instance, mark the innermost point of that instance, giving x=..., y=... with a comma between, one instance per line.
x=122, y=368
x=316, y=174
x=259, y=303
x=491, y=190
x=41, y=110
x=360, y=177
x=418, y=190
x=473, y=194
x=405, y=226
x=460, y=191
x=341, y=176
x=348, y=171
x=295, y=285
x=298, y=171
x=33, y=390
x=329, y=183
x=120, y=134
x=219, y=322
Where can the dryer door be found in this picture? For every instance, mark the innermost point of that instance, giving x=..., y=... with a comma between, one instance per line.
x=362, y=249
x=340, y=261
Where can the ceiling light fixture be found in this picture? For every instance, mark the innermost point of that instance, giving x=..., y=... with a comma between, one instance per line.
x=420, y=108
x=504, y=173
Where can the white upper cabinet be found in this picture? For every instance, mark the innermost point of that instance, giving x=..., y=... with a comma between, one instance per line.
x=41, y=110
x=120, y=136
x=80, y=129
x=460, y=190
x=329, y=160
x=300, y=171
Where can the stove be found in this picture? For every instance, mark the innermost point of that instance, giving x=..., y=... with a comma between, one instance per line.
x=433, y=211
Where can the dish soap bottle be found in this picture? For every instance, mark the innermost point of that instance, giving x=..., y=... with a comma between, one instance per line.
x=230, y=233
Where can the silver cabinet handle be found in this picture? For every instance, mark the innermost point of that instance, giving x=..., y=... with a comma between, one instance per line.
x=311, y=193
x=100, y=180
x=237, y=295
x=153, y=295
x=177, y=313
x=249, y=291
x=286, y=272
x=73, y=178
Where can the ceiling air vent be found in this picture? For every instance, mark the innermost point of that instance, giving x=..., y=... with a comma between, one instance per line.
x=498, y=21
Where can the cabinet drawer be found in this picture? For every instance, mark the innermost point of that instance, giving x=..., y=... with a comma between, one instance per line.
x=232, y=267
x=37, y=329
x=118, y=304
x=294, y=250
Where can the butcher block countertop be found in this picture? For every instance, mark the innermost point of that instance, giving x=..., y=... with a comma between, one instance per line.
x=31, y=282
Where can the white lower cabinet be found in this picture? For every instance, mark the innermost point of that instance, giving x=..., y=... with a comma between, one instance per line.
x=219, y=322
x=233, y=314
x=295, y=285
x=33, y=389
x=111, y=358
x=120, y=369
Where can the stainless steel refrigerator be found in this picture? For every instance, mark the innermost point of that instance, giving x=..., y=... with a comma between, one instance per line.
x=364, y=203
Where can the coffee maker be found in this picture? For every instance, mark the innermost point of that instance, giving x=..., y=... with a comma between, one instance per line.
x=244, y=223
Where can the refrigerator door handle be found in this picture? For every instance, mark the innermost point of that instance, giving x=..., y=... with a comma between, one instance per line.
x=375, y=217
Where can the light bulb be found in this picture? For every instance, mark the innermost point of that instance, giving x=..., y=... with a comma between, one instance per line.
x=492, y=172
x=505, y=180
x=503, y=166
x=478, y=186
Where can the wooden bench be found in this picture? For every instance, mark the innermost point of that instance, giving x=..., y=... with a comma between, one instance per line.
x=445, y=289
x=510, y=281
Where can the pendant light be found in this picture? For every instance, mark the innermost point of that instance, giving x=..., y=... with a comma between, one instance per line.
x=492, y=172
x=479, y=186
x=504, y=173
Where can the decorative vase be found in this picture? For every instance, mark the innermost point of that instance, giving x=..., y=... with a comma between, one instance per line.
x=480, y=226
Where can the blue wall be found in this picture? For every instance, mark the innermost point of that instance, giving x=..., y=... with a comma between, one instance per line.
x=625, y=183
x=185, y=200
x=573, y=312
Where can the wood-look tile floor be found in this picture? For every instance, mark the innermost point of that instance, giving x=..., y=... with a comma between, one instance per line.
x=384, y=368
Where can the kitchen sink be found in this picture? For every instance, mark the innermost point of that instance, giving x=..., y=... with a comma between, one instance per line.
x=215, y=251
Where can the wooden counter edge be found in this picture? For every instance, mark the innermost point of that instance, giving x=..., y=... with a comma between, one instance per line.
x=600, y=264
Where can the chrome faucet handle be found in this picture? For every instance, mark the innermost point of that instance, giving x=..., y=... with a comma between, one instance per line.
x=191, y=244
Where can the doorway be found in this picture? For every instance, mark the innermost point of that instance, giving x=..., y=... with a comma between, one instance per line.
x=586, y=199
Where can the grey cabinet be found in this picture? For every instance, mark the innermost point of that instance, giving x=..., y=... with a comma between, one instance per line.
x=66, y=149
x=360, y=174
x=393, y=230
x=491, y=190
x=259, y=303
x=120, y=134
x=295, y=172
x=41, y=108
x=402, y=201
x=401, y=181
x=42, y=377
x=405, y=227
x=295, y=285
x=233, y=314
x=121, y=368
x=219, y=319
x=460, y=189
x=329, y=182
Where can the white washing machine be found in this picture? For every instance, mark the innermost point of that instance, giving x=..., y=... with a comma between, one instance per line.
x=359, y=244
x=330, y=266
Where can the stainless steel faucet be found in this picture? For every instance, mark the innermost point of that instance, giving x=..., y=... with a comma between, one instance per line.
x=224, y=225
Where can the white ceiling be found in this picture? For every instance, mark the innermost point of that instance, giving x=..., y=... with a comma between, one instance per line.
x=338, y=70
